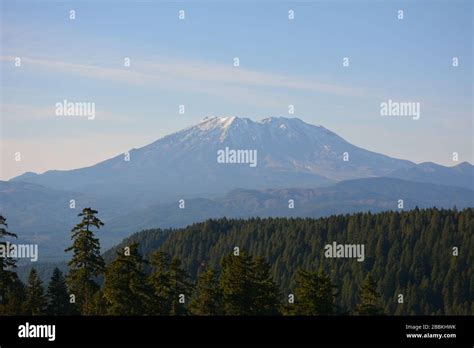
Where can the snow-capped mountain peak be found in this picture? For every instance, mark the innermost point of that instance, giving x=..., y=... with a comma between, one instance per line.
x=215, y=122
x=289, y=153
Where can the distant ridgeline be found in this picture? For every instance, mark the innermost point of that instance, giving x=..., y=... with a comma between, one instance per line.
x=417, y=262
x=424, y=255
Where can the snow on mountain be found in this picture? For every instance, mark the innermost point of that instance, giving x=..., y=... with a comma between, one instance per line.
x=290, y=153
x=304, y=160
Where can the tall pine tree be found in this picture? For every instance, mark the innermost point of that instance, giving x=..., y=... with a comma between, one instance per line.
x=125, y=287
x=35, y=303
x=171, y=285
x=181, y=288
x=14, y=298
x=314, y=294
x=86, y=263
x=208, y=297
x=247, y=287
x=58, y=296
x=266, y=293
x=237, y=284
x=369, y=298
x=8, y=278
x=160, y=282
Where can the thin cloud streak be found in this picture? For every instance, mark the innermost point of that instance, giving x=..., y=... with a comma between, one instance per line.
x=196, y=76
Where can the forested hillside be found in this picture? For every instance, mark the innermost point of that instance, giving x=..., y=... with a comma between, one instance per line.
x=409, y=253
x=416, y=262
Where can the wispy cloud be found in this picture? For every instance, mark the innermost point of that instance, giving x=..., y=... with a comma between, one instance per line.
x=226, y=74
x=216, y=79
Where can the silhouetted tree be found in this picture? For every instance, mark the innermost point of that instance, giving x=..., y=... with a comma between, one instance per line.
x=35, y=298
x=125, y=287
x=58, y=296
x=247, y=286
x=86, y=263
x=314, y=295
x=7, y=276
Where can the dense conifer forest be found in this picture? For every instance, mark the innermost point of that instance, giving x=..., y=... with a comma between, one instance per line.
x=416, y=262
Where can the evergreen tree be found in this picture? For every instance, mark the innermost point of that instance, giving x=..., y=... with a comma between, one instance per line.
x=14, y=298
x=171, y=286
x=267, y=295
x=369, y=298
x=160, y=282
x=125, y=286
x=86, y=263
x=35, y=303
x=99, y=303
x=7, y=276
x=208, y=298
x=314, y=294
x=180, y=288
x=5, y=260
x=247, y=287
x=411, y=241
x=237, y=285
x=58, y=296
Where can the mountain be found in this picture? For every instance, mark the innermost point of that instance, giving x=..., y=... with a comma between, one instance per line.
x=292, y=160
x=290, y=153
x=47, y=219
x=461, y=175
x=44, y=216
x=370, y=194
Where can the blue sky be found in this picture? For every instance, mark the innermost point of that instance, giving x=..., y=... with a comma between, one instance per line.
x=190, y=61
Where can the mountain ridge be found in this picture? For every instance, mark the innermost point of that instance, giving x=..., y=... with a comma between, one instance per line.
x=47, y=217
x=293, y=156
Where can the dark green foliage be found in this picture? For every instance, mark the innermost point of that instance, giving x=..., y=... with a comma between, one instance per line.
x=99, y=303
x=181, y=288
x=403, y=250
x=314, y=294
x=36, y=302
x=7, y=276
x=125, y=287
x=86, y=263
x=425, y=255
x=58, y=296
x=236, y=283
x=160, y=282
x=14, y=298
x=44, y=269
x=171, y=285
x=266, y=292
x=5, y=262
x=247, y=287
x=208, y=295
x=148, y=241
x=369, y=298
